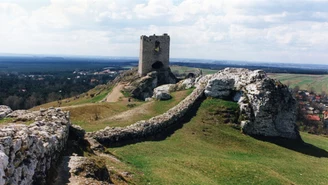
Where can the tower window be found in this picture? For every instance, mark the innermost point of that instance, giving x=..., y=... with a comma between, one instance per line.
x=157, y=46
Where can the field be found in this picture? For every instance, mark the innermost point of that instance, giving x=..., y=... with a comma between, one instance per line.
x=318, y=83
x=185, y=69
x=205, y=151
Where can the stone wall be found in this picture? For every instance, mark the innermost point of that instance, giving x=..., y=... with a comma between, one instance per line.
x=28, y=152
x=146, y=128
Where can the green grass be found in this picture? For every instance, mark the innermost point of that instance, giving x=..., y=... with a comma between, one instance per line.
x=203, y=152
x=12, y=120
x=6, y=120
x=103, y=90
x=95, y=99
x=319, y=83
x=126, y=94
x=161, y=107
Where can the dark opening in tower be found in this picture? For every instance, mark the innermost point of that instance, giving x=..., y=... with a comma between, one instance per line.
x=157, y=65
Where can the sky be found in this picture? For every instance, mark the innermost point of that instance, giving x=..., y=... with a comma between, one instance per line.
x=293, y=31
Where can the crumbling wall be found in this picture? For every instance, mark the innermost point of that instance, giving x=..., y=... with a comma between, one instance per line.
x=28, y=152
x=146, y=128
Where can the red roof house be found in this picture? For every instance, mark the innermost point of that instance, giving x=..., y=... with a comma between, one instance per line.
x=312, y=117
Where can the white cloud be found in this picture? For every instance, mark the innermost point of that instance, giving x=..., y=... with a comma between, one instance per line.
x=292, y=31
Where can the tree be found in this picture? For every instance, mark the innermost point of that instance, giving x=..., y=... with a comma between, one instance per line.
x=296, y=89
x=323, y=94
x=31, y=101
x=14, y=102
x=52, y=97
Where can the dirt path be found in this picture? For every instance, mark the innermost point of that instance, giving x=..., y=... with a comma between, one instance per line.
x=129, y=114
x=76, y=106
x=115, y=95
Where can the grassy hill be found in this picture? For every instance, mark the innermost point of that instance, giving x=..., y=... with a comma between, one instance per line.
x=206, y=151
x=209, y=148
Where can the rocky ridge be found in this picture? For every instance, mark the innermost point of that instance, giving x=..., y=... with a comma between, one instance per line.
x=28, y=152
x=266, y=105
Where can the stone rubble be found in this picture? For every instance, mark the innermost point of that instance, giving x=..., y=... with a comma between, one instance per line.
x=27, y=152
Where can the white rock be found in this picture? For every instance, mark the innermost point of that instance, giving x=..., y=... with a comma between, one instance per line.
x=188, y=83
x=3, y=165
x=4, y=111
x=267, y=105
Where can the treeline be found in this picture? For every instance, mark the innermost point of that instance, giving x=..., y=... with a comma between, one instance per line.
x=21, y=91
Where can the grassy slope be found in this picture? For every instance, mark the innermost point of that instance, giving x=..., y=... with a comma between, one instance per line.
x=206, y=153
x=101, y=91
x=85, y=115
x=318, y=82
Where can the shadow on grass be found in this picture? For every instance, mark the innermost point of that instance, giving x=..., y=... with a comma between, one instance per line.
x=295, y=145
x=167, y=132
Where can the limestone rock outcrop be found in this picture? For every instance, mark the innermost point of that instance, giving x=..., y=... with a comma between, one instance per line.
x=267, y=107
x=163, y=92
x=24, y=115
x=142, y=87
x=28, y=152
x=185, y=84
x=4, y=111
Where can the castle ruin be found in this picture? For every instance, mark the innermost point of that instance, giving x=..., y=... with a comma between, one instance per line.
x=154, y=53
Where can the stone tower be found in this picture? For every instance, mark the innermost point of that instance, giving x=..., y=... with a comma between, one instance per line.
x=154, y=53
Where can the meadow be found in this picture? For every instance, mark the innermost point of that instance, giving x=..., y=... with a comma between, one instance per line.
x=205, y=151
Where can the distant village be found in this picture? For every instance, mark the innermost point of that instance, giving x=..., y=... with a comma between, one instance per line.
x=312, y=111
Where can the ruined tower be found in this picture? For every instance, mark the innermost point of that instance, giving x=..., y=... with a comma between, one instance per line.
x=154, y=53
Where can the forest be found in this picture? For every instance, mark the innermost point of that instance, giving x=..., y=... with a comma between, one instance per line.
x=21, y=91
